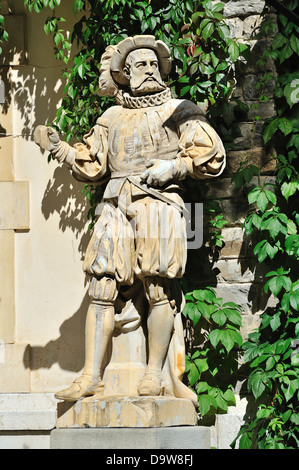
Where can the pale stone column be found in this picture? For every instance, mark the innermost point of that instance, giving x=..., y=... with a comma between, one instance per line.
x=14, y=215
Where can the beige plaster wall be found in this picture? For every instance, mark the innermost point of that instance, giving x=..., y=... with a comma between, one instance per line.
x=43, y=285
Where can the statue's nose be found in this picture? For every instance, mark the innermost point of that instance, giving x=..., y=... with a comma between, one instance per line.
x=149, y=70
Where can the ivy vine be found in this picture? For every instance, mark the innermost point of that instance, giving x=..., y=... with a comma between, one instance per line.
x=271, y=352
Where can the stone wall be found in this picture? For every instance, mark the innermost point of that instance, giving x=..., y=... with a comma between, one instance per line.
x=43, y=231
x=239, y=277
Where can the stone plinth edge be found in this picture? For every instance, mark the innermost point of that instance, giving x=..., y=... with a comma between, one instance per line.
x=126, y=412
x=180, y=437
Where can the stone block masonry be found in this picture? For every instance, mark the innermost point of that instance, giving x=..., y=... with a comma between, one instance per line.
x=236, y=274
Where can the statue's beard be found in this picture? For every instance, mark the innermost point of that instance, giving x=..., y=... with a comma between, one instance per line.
x=149, y=85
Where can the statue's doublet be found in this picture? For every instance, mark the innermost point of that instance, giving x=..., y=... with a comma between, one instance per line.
x=117, y=149
x=124, y=139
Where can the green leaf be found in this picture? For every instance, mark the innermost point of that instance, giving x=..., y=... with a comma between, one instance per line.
x=218, y=7
x=294, y=300
x=270, y=129
x=196, y=16
x=275, y=321
x=208, y=31
x=201, y=364
x=193, y=374
x=292, y=388
x=205, y=403
x=229, y=396
x=291, y=92
x=245, y=440
x=253, y=195
x=258, y=360
x=279, y=41
x=270, y=363
x=295, y=418
x=234, y=317
x=227, y=339
x=221, y=402
x=214, y=337
x=262, y=201
x=234, y=51
x=278, y=282
x=257, y=383
x=285, y=53
x=81, y=70
x=263, y=413
x=291, y=227
x=224, y=31
x=191, y=311
x=285, y=126
x=275, y=227
x=219, y=317
x=289, y=188
x=185, y=90
x=202, y=387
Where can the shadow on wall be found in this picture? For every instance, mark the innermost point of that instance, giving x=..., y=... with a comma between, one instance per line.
x=33, y=87
x=63, y=195
x=67, y=350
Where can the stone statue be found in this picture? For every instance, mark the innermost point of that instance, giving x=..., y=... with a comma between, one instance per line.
x=143, y=146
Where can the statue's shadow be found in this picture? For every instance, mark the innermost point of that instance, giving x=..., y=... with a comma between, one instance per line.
x=63, y=195
x=67, y=350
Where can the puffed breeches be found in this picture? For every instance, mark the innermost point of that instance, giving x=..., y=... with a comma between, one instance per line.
x=141, y=237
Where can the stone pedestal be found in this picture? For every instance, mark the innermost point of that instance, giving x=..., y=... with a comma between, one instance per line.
x=182, y=437
x=126, y=412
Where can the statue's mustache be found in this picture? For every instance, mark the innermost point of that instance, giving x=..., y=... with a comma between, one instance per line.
x=160, y=82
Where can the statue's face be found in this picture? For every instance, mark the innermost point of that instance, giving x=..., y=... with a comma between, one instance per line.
x=142, y=71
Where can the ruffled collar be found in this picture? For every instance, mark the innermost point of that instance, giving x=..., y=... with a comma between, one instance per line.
x=135, y=102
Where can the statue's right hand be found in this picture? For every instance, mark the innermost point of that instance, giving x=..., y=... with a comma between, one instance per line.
x=46, y=137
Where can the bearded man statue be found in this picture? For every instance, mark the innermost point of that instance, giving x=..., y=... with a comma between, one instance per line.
x=144, y=147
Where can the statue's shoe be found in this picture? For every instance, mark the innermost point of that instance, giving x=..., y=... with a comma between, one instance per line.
x=150, y=384
x=81, y=387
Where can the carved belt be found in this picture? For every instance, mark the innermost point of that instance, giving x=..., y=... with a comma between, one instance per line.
x=129, y=175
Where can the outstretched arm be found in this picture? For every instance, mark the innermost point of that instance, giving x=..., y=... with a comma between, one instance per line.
x=88, y=160
x=48, y=139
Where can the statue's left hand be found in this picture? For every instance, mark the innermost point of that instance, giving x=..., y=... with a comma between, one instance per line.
x=159, y=172
x=47, y=138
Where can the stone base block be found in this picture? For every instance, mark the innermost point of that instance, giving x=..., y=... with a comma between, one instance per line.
x=183, y=437
x=128, y=412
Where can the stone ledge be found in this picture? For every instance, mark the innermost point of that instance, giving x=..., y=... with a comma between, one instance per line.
x=15, y=378
x=126, y=412
x=27, y=411
x=242, y=8
x=182, y=437
x=25, y=440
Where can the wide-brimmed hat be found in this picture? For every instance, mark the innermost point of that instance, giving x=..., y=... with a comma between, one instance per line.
x=129, y=44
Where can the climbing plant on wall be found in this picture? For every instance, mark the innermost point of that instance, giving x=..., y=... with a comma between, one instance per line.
x=271, y=352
